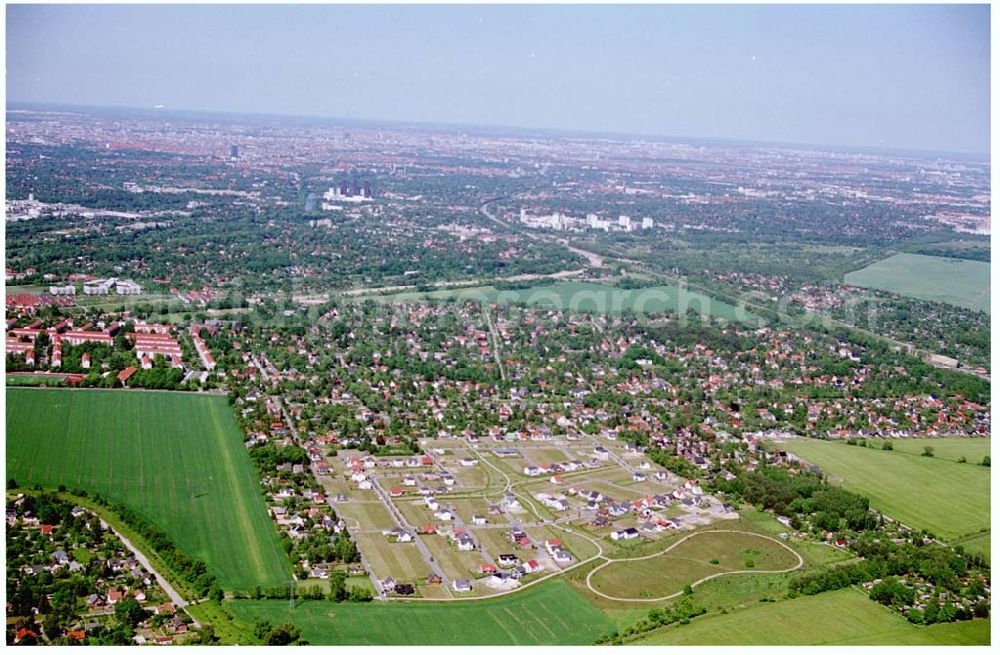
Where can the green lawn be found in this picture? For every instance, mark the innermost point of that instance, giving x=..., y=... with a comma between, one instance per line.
x=177, y=459
x=843, y=617
x=549, y=614
x=13, y=379
x=936, y=494
x=960, y=282
x=700, y=556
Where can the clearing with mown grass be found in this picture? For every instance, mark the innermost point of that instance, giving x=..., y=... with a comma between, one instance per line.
x=960, y=282
x=548, y=614
x=942, y=496
x=590, y=297
x=973, y=449
x=842, y=617
x=701, y=555
x=177, y=459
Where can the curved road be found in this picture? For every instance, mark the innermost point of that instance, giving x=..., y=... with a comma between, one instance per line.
x=590, y=586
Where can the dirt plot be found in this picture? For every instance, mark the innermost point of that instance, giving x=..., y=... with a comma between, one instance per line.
x=402, y=562
x=578, y=546
x=438, y=591
x=511, y=465
x=471, y=477
x=542, y=456
x=467, y=507
x=496, y=542
x=609, y=490
x=371, y=515
x=417, y=513
x=454, y=563
x=334, y=485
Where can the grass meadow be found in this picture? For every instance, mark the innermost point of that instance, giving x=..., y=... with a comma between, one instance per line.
x=936, y=494
x=961, y=282
x=698, y=557
x=590, y=297
x=177, y=459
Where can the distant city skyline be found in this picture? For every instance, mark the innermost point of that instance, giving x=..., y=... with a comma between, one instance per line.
x=896, y=76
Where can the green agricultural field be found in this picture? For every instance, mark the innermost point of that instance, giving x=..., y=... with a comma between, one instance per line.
x=940, y=495
x=960, y=282
x=177, y=459
x=702, y=555
x=843, y=617
x=550, y=614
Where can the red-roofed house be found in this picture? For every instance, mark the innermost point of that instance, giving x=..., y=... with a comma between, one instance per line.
x=23, y=632
x=123, y=376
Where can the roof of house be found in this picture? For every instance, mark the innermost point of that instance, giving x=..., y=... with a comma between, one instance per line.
x=126, y=374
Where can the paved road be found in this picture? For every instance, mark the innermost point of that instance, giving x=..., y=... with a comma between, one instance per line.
x=175, y=597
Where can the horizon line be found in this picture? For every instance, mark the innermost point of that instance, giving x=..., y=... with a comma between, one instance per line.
x=983, y=156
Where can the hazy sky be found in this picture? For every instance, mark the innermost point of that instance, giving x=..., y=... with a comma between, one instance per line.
x=893, y=76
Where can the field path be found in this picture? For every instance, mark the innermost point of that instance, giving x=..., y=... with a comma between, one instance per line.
x=677, y=543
